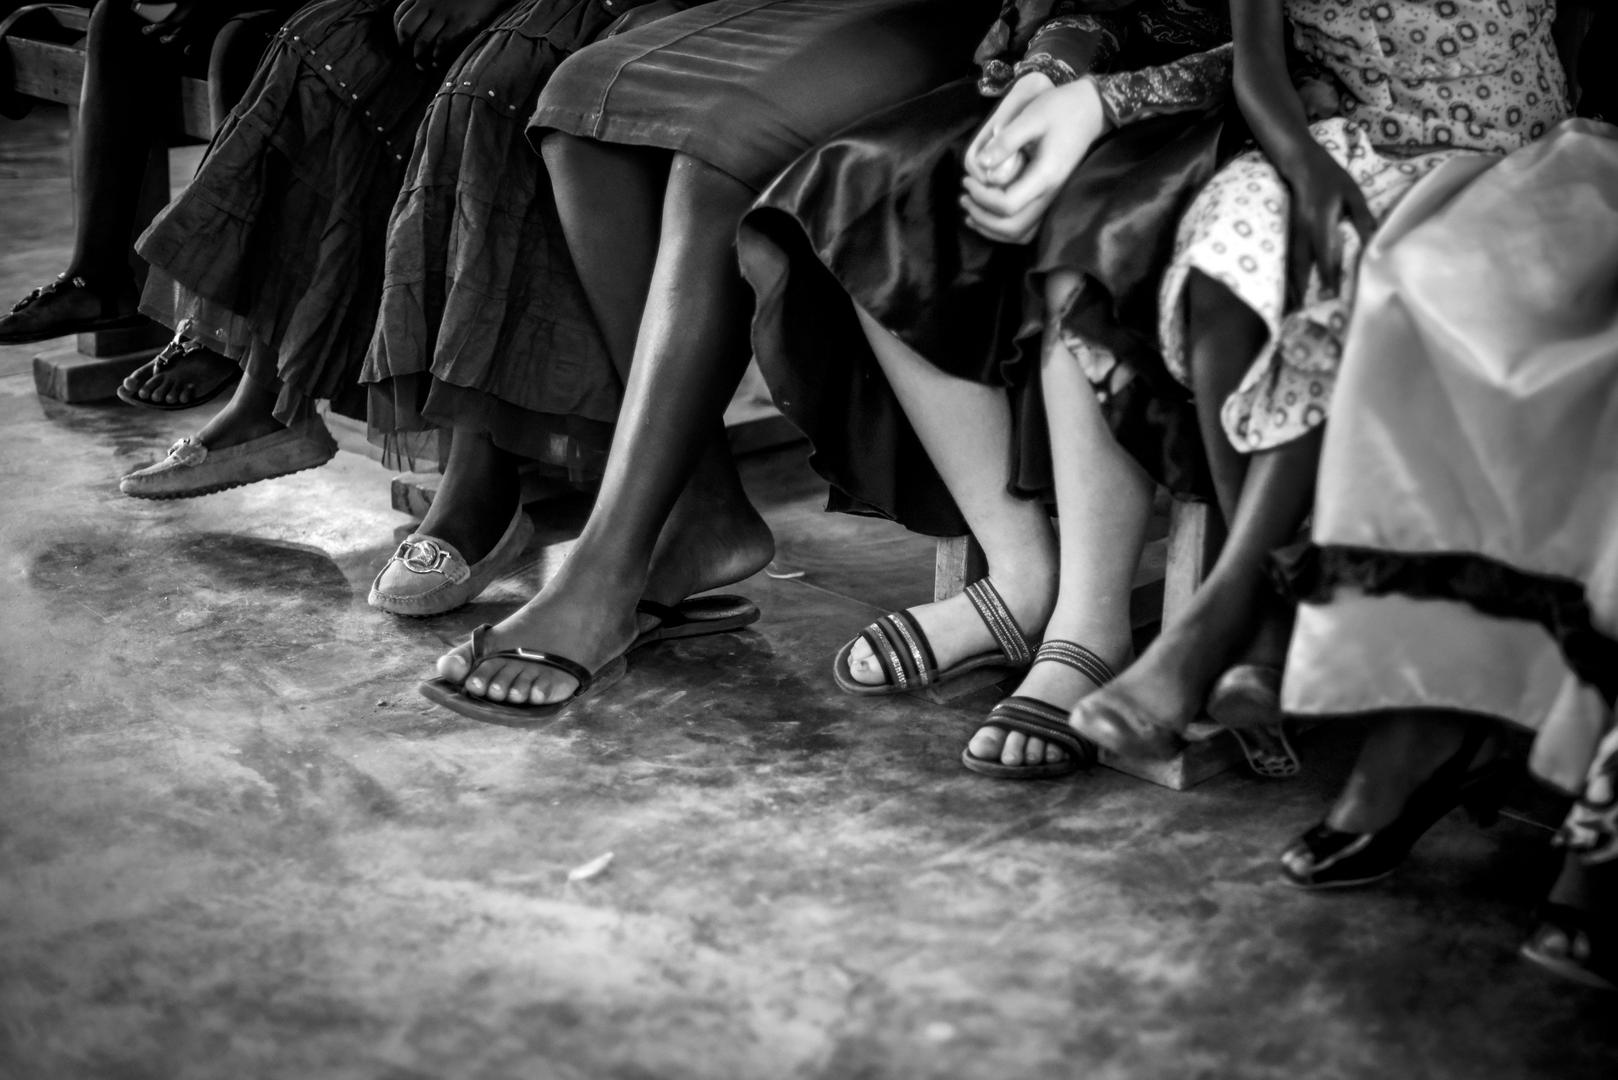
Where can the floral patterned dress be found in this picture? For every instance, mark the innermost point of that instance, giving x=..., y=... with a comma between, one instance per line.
x=1417, y=82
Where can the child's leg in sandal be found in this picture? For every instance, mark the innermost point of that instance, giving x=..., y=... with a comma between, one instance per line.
x=1104, y=500
x=966, y=430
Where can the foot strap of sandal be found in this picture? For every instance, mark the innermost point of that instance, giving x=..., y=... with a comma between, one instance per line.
x=1041, y=720
x=480, y=653
x=906, y=656
x=992, y=609
x=1072, y=654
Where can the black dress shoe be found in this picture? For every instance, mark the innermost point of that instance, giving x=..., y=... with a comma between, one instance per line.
x=1327, y=858
x=39, y=316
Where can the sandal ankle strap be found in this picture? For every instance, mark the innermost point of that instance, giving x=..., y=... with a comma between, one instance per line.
x=992, y=609
x=1072, y=654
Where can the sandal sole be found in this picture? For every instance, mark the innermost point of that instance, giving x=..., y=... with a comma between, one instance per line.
x=141, y=403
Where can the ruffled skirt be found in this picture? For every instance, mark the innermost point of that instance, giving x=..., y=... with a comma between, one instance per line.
x=484, y=325
x=272, y=255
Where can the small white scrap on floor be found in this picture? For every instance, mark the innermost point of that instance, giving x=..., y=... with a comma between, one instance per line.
x=594, y=868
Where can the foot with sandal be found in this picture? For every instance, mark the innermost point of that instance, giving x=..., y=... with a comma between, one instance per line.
x=1413, y=768
x=573, y=639
x=184, y=375
x=1069, y=596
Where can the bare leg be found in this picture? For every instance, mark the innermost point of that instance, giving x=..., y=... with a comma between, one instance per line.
x=1142, y=712
x=966, y=430
x=1104, y=500
x=477, y=497
x=120, y=97
x=249, y=415
x=1228, y=337
x=689, y=355
x=118, y=101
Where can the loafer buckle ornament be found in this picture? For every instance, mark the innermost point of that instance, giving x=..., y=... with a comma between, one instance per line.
x=422, y=557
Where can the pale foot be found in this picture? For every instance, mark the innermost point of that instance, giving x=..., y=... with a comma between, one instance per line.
x=956, y=631
x=1054, y=684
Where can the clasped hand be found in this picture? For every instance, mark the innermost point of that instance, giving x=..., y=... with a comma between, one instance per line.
x=1023, y=155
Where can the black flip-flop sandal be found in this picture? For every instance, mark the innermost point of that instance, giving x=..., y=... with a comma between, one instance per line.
x=178, y=349
x=445, y=692
x=906, y=656
x=1042, y=720
x=695, y=616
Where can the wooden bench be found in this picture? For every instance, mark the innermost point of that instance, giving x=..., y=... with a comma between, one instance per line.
x=42, y=59
x=1172, y=567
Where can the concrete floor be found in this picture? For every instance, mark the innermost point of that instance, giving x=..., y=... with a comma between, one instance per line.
x=234, y=842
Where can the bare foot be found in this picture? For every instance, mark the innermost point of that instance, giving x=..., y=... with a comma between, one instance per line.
x=184, y=372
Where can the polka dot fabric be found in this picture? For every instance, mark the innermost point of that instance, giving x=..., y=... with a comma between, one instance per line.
x=1417, y=82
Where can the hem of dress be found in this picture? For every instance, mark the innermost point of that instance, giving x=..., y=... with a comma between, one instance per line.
x=1311, y=574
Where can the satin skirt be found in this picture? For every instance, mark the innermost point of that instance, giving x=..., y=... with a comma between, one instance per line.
x=871, y=218
x=1465, y=539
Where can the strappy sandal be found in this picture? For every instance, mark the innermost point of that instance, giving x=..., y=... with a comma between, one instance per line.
x=1042, y=720
x=695, y=616
x=906, y=656
x=181, y=348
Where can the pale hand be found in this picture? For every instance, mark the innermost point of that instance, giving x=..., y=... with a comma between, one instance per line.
x=1051, y=135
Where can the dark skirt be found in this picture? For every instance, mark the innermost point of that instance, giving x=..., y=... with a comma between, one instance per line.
x=873, y=216
x=272, y=255
x=749, y=85
x=484, y=325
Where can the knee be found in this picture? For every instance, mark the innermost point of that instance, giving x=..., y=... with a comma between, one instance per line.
x=1209, y=304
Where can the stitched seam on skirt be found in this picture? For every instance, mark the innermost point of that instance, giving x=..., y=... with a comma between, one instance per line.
x=606, y=90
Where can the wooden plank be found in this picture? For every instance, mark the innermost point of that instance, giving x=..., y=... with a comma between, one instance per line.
x=66, y=374
x=1193, y=544
x=47, y=70
x=957, y=562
